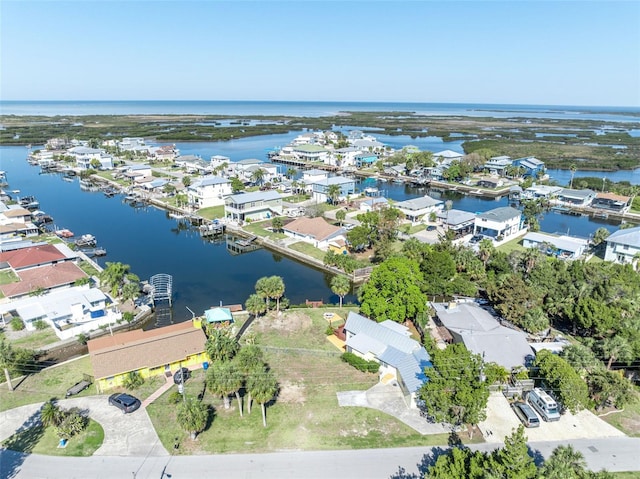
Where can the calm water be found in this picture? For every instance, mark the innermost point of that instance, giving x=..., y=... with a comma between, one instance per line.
x=313, y=109
x=203, y=273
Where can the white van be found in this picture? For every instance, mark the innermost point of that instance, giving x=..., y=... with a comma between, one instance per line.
x=544, y=404
x=526, y=414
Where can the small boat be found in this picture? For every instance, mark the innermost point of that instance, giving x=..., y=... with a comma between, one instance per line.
x=29, y=202
x=86, y=240
x=64, y=233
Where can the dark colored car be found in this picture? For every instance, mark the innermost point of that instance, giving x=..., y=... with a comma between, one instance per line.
x=432, y=228
x=476, y=239
x=125, y=402
x=181, y=376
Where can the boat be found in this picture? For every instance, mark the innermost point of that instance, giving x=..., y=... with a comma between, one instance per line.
x=64, y=233
x=86, y=240
x=29, y=202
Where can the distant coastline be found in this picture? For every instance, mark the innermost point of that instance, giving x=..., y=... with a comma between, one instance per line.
x=312, y=109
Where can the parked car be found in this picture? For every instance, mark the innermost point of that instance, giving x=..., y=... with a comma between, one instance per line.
x=526, y=414
x=476, y=239
x=181, y=375
x=432, y=228
x=125, y=402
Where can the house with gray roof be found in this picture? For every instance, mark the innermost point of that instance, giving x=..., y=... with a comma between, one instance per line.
x=415, y=209
x=208, y=191
x=576, y=197
x=623, y=246
x=563, y=247
x=390, y=344
x=482, y=334
x=320, y=188
x=499, y=223
x=459, y=221
x=254, y=206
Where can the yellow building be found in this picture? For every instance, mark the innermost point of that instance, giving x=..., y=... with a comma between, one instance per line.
x=160, y=351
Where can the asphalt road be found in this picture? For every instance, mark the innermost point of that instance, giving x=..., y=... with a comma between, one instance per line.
x=614, y=454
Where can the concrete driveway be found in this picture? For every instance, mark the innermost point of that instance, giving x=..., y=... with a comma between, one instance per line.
x=501, y=420
x=124, y=434
x=388, y=399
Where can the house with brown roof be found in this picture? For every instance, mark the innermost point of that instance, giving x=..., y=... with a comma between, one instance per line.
x=36, y=256
x=52, y=276
x=155, y=352
x=315, y=231
x=611, y=202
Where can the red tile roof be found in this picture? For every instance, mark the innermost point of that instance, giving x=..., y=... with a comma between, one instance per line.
x=45, y=277
x=317, y=227
x=36, y=255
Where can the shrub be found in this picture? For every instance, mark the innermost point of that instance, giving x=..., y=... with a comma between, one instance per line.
x=82, y=338
x=40, y=325
x=17, y=324
x=360, y=363
x=128, y=316
x=174, y=398
x=133, y=380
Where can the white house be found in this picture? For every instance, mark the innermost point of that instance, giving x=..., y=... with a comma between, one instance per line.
x=576, y=197
x=345, y=156
x=499, y=223
x=564, y=247
x=321, y=188
x=416, y=208
x=309, y=177
x=623, y=246
x=390, y=344
x=311, y=153
x=254, y=206
x=208, y=191
x=374, y=204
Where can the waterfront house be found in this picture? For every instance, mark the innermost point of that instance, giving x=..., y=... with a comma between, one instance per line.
x=193, y=164
x=338, y=246
x=535, y=192
x=531, y=166
x=57, y=144
x=623, y=246
x=315, y=231
x=417, y=208
x=447, y=156
x=311, y=176
x=488, y=182
x=219, y=161
x=311, y=153
x=320, y=188
x=155, y=352
x=368, y=144
x=34, y=256
x=374, y=204
x=43, y=278
x=208, y=191
x=458, y=221
x=13, y=213
x=245, y=170
x=137, y=172
x=564, y=247
x=69, y=312
x=132, y=144
x=255, y=206
x=102, y=162
x=499, y=223
x=401, y=358
x=345, y=156
x=482, y=334
x=365, y=160
x=576, y=197
x=162, y=153
x=611, y=202
x=497, y=165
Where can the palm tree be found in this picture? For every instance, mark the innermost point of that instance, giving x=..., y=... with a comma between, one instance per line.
x=276, y=290
x=257, y=176
x=333, y=193
x=262, y=289
x=529, y=259
x=50, y=414
x=341, y=215
x=291, y=172
x=485, y=250
x=564, y=462
x=255, y=305
x=221, y=345
x=113, y=276
x=224, y=379
x=263, y=387
x=7, y=358
x=447, y=206
x=192, y=416
x=573, y=169
x=341, y=286
x=617, y=348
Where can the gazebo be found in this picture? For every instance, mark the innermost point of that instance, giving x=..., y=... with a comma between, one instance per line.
x=218, y=315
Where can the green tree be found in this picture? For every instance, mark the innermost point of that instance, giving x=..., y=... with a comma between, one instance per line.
x=455, y=392
x=485, y=250
x=566, y=383
x=221, y=345
x=263, y=290
x=50, y=414
x=133, y=380
x=223, y=379
x=276, y=289
x=616, y=348
x=263, y=387
x=186, y=181
x=113, y=276
x=277, y=223
x=130, y=291
x=600, y=235
x=258, y=176
x=564, y=463
x=333, y=193
x=255, y=305
x=236, y=184
x=513, y=460
x=341, y=215
x=72, y=422
x=393, y=291
x=7, y=358
x=341, y=286
x=192, y=416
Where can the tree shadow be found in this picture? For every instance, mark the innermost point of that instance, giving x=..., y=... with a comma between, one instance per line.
x=430, y=458
x=20, y=445
x=537, y=456
x=211, y=415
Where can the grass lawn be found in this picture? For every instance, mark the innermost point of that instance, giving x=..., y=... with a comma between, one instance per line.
x=513, y=245
x=212, y=212
x=627, y=475
x=36, y=339
x=7, y=276
x=305, y=414
x=39, y=440
x=627, y=420
x=308, y=249
x=54, y=382
x=260, y=229
x=88, y=268
x=296, y=198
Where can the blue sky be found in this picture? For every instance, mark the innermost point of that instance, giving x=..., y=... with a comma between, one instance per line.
x=518, y=52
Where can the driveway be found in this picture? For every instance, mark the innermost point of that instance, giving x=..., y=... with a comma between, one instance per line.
x=501, y=420
x=124, y=434
x=388, y=399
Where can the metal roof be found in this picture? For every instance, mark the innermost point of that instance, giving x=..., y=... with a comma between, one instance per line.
x=501, y=214
x=629, y=236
